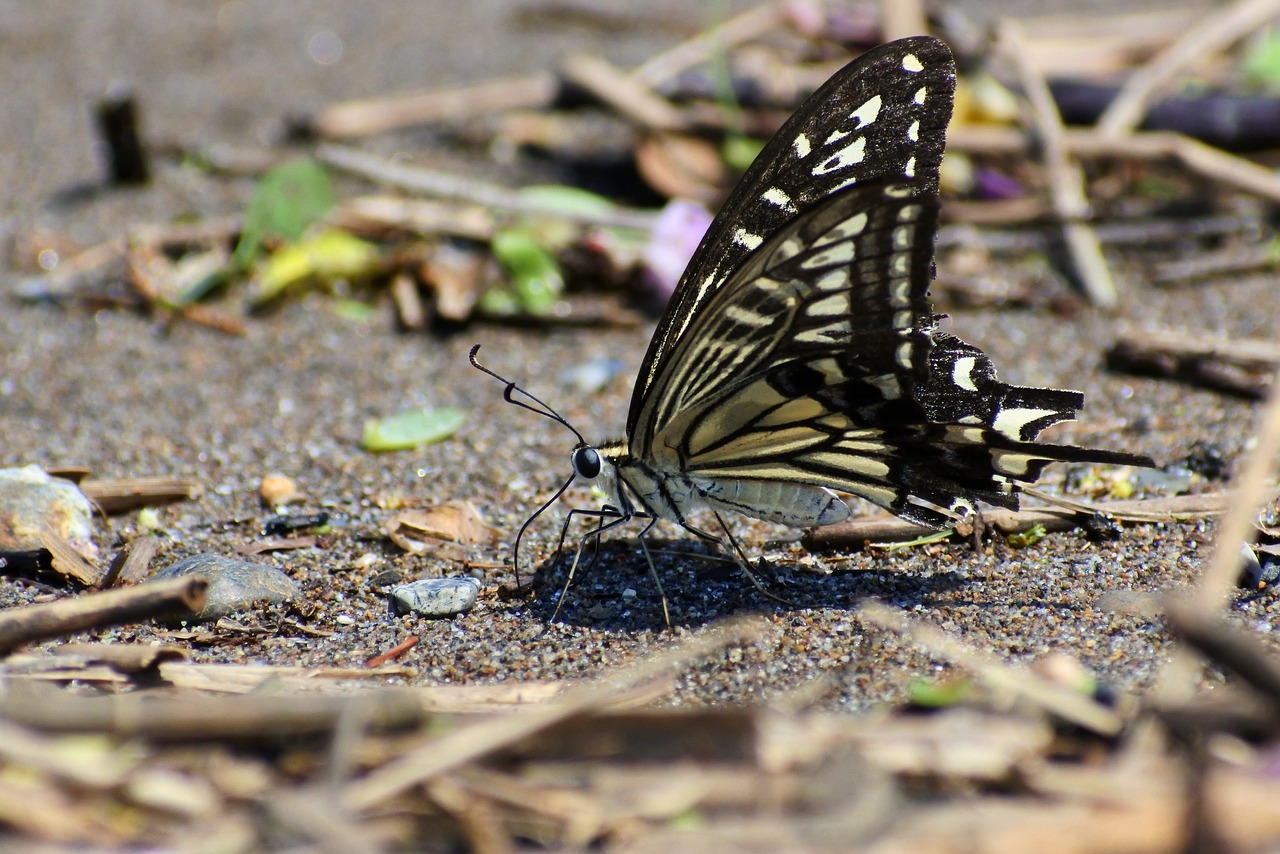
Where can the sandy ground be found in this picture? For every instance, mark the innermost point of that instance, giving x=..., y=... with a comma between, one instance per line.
x=126, y=397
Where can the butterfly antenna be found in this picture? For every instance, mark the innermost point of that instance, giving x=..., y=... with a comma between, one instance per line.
x=508, y=395
x=515, y=556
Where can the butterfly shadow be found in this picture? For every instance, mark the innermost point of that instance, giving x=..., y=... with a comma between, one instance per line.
x=613, y=588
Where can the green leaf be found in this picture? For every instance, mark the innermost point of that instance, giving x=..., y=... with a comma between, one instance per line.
x=558, y=198
x=326, y=257
x=738, y=152
x=353, y=309
x=1029, y=537
x=412, y=429
x=1262, y=60
x=288, y=200
x=939, y=694
x=533, y=275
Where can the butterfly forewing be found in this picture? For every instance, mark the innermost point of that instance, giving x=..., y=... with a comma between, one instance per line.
x=881, y=118
x=836, y=296
x=800, y=351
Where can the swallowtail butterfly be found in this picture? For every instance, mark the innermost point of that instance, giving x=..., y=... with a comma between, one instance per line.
x=800, y=356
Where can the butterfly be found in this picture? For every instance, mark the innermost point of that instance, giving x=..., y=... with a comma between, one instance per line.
x=800, y=356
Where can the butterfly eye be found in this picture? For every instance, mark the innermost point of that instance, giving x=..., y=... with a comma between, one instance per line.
x=586, y=462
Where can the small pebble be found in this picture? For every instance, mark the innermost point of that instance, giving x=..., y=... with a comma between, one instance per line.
x=31, y=501
x=1260, y=566
x=234, y=585
x=592, y=375
x=277, y=489
x=435, y=597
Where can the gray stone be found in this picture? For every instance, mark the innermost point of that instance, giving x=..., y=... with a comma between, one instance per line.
x=435, y=597
x=31, y=501
x=234, y=585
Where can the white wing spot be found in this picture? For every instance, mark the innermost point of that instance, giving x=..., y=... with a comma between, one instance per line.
x=900, y=263
x=848, y=156
x=913, y=132
x=746, y=316
x=789, y=249
x=1014, y=464
x=745, y=238
x=777, y=197
x=962, y=373
x=834, y=281
x=921, y=93
x=910, y=169
x=866, y=114
x=802, y=146
x=887, y=384
x=1011, y=422
x=903, y=319
x=836, y=136
x=841, y=253
x=909, y=213
x=903, y=356
x=902, y=236
x=837, y=304
x=912, y=63
x=846, y=229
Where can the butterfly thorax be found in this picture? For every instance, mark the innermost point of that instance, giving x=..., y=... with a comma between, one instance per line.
x=661, y=488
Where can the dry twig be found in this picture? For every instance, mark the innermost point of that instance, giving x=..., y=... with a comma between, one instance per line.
x=34, y=623
x=624, y=93
x=1216, y=30
x=472, y=742
x=180, y=719
x=1237, y=366
x=120, y=495
x=1062, y=702
x=462, y=188
x=751, y=24
x=375, y=115
x=1066, y=179
x=1209, y=162
x=889, y=529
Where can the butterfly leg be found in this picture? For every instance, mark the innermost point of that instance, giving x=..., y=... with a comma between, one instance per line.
x=653, y=570
x=744, y=563
x=591, y=536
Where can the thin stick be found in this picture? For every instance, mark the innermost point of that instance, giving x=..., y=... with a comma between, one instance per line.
x=132, y=563
x=120, y=495
x=1063, y=702
x=1212, y=163
x=886, y=529
x=751, y=24
x=902, y=18
x=624, y=93
x=1233, y=648
x=1248, y=493
x=1244, y=367
x=34, y=623
x=1066, y=179
x=393, y=653
x=369, y=116
x=212, y=717
x=1214, y=31
x=469, y=743
x=452, y=186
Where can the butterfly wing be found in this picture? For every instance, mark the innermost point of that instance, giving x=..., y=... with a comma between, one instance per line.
x=881, y=117
x=815, y=360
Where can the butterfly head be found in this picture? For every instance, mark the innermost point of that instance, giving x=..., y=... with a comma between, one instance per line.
x=586, y=461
